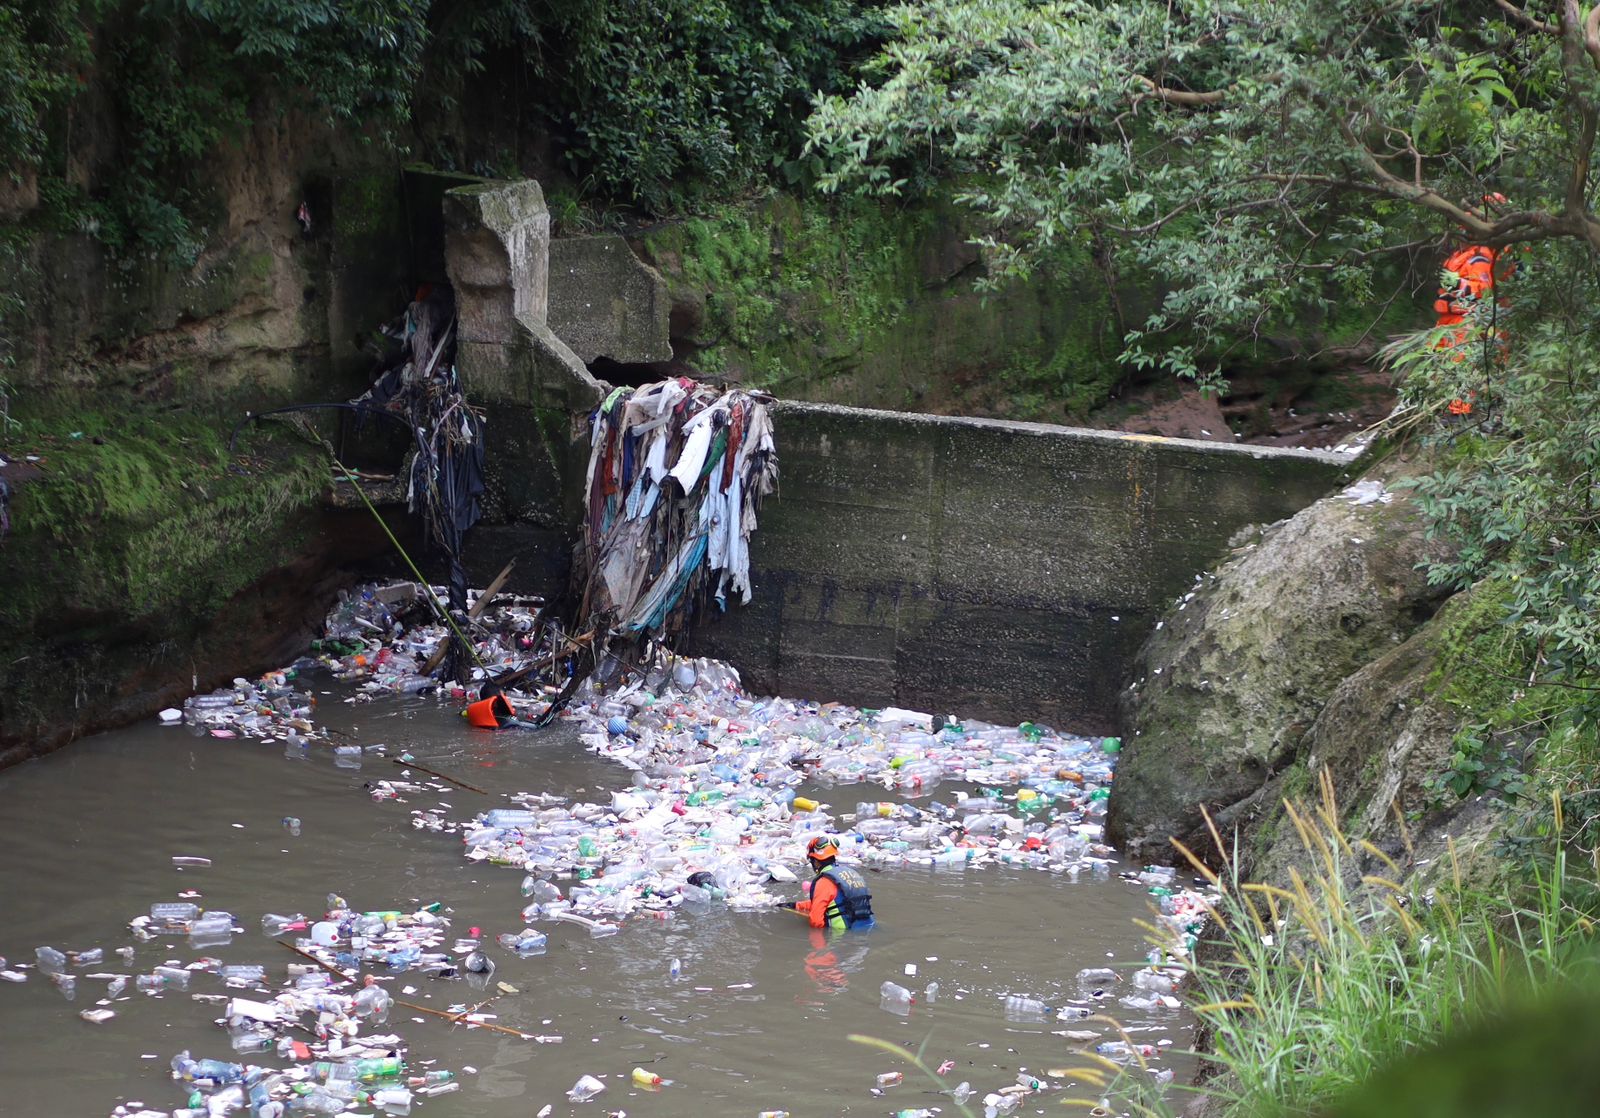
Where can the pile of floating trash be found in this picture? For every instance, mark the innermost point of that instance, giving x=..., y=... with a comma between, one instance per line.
x=723, y=791
x=320, y=1027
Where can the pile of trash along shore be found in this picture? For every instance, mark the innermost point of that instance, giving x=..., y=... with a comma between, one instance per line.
x=718, y=794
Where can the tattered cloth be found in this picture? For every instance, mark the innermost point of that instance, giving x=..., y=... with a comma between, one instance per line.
x=677, y=472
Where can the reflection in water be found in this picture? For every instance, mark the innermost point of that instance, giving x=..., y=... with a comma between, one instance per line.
x=88, y=835
x=833, y=958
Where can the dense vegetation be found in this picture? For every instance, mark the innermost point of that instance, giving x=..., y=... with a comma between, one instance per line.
x=645, y=102
x=1265, y=161
x=1268, y=158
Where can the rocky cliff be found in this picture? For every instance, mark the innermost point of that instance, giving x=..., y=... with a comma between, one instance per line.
x=1314, y=647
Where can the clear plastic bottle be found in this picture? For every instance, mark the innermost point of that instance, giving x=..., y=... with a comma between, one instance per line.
x=1021, y=1008
x=217, y=1071
x=1154, y=981
x=895, y=997
x=165, y=978
x=49, y=959
x=930, y=993
x=276, y=923
x=211, y=925
x=262, y=1104
x=315, y=1100
x=372, y=1001
x=526, y=942
x=393, y=1100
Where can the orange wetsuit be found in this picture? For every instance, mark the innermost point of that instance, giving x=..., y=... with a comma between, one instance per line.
x=823, y=893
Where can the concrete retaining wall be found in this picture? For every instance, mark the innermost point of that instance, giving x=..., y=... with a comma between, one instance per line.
x=985, y=568
x=991, y=569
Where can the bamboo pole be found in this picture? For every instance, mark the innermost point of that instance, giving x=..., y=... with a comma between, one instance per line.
x=440, y=775
x=477, y=608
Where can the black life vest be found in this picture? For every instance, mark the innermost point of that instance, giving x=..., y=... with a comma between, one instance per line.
x=853, y=903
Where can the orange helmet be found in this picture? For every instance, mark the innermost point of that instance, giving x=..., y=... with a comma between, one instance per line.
x=822, y=848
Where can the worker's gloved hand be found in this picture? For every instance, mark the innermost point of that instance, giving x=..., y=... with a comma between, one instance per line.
x=785, y=904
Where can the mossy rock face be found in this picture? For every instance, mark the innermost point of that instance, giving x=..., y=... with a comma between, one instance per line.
x=860, y=303
x=1379, y=741
x=142, y=561
x=1225, y=690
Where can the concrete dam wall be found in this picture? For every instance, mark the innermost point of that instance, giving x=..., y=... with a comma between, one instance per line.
x=1004, y=570
x=987, y=568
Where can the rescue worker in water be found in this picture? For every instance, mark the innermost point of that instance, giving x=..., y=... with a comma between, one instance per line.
x=839, y=896
x=492, y=711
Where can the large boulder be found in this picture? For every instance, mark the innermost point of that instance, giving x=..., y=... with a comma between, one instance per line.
x=1225, y=689
x=1382, y=737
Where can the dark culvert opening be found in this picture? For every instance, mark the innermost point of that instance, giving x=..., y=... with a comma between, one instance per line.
x=634, y=374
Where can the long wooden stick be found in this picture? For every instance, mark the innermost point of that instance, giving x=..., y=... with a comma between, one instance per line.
x=440, y=775
x=329, y=967
x=477, y=608
x=454, y=1018
x=460, y=1019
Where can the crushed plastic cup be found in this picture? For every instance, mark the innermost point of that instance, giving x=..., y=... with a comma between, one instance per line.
x=586, y=1088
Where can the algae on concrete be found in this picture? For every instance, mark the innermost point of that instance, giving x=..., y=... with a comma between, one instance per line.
x=138, y=532
x=855, y=302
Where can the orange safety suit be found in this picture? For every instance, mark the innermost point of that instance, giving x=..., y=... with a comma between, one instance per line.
x=1474, y=268
x=823, y=893
x=490, y=713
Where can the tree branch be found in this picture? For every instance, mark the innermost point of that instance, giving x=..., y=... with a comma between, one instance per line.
x=1424, y=196
x=1180, y=96
x=1580, y=37
x=1519, y=16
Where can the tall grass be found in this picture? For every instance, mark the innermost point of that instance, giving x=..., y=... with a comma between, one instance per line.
x=1310, y=987
x=1322, y=980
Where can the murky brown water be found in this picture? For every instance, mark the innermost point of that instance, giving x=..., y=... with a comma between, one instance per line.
x=759, y=1019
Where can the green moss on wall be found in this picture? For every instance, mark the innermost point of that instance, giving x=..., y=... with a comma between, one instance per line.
x=367, y=205
x=856, y=302
x=141, y=514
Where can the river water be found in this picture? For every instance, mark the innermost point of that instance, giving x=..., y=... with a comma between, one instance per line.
x=760, y=1018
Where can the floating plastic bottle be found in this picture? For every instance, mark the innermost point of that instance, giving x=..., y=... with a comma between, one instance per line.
x=164, y=978
x=190, y=1070
x=895, y=998
x=1155, y=981
x=393, y=1100
x=1022, y=1008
